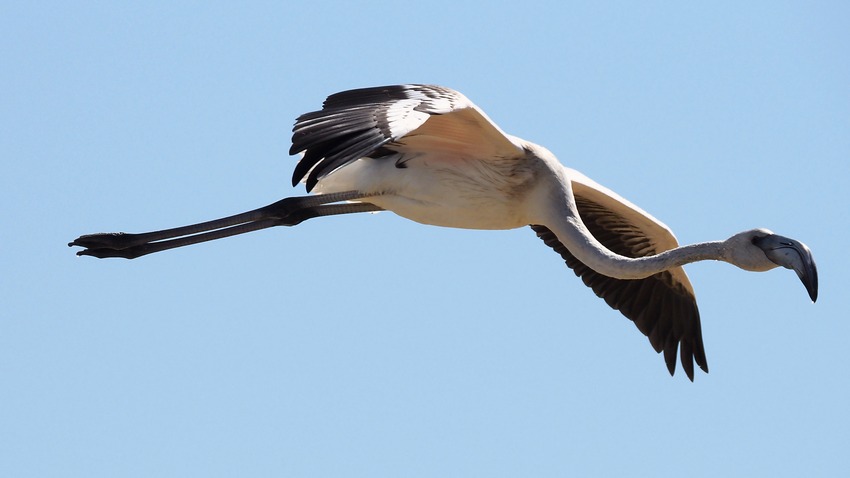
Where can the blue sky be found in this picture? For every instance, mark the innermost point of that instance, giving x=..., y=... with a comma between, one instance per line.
x=372, y=346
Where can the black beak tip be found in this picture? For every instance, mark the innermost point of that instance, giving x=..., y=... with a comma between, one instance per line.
x=812, y=288
x=810, y=281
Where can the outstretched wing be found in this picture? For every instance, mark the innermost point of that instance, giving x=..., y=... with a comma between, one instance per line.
x=375, y=122
x=380, y=122
x=662, y=306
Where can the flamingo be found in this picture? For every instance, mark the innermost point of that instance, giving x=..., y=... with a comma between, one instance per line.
x=427, y=153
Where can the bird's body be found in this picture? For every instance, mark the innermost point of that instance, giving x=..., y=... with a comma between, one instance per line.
x=440, y=189
x=437, y=171
x=430, y=155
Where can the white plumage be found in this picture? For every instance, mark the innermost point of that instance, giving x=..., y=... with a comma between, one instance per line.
x=429, y=154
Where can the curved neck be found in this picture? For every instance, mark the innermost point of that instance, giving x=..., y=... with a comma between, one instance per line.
x=572, y=233
x=592, y=253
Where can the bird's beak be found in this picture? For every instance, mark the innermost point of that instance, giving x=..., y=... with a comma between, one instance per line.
x=792, y=254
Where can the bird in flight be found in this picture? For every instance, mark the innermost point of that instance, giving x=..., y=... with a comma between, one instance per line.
x=429, y=154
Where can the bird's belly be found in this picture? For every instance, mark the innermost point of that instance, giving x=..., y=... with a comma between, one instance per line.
x=473, y=213
x=429, y=190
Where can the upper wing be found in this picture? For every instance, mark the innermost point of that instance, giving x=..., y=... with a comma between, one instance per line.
x=662, y=306
x=370, y=122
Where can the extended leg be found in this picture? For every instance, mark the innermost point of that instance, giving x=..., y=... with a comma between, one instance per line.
x=286, y=212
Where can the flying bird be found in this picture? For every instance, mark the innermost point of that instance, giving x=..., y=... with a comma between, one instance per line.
x=429, y=154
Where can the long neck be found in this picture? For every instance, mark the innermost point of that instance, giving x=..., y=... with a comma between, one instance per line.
x=567, y=225
x=587, y=249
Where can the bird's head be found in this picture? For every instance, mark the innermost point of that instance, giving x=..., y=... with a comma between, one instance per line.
x=760, y=250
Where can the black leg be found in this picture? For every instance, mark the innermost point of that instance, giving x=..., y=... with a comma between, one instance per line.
x=286, y=212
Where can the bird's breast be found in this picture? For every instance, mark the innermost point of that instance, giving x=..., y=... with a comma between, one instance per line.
x=452, y=192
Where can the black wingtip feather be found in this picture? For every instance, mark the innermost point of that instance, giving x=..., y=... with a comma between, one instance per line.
x=667, y=316
x=687, y=358
x=354, y=123
x=670, y=349
x=372, y=94
x=349, y=126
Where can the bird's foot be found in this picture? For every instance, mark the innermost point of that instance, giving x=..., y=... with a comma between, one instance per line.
x=108, y=240
x=105, y=244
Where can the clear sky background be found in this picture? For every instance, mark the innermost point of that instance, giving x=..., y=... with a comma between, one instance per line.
x=372, y=346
